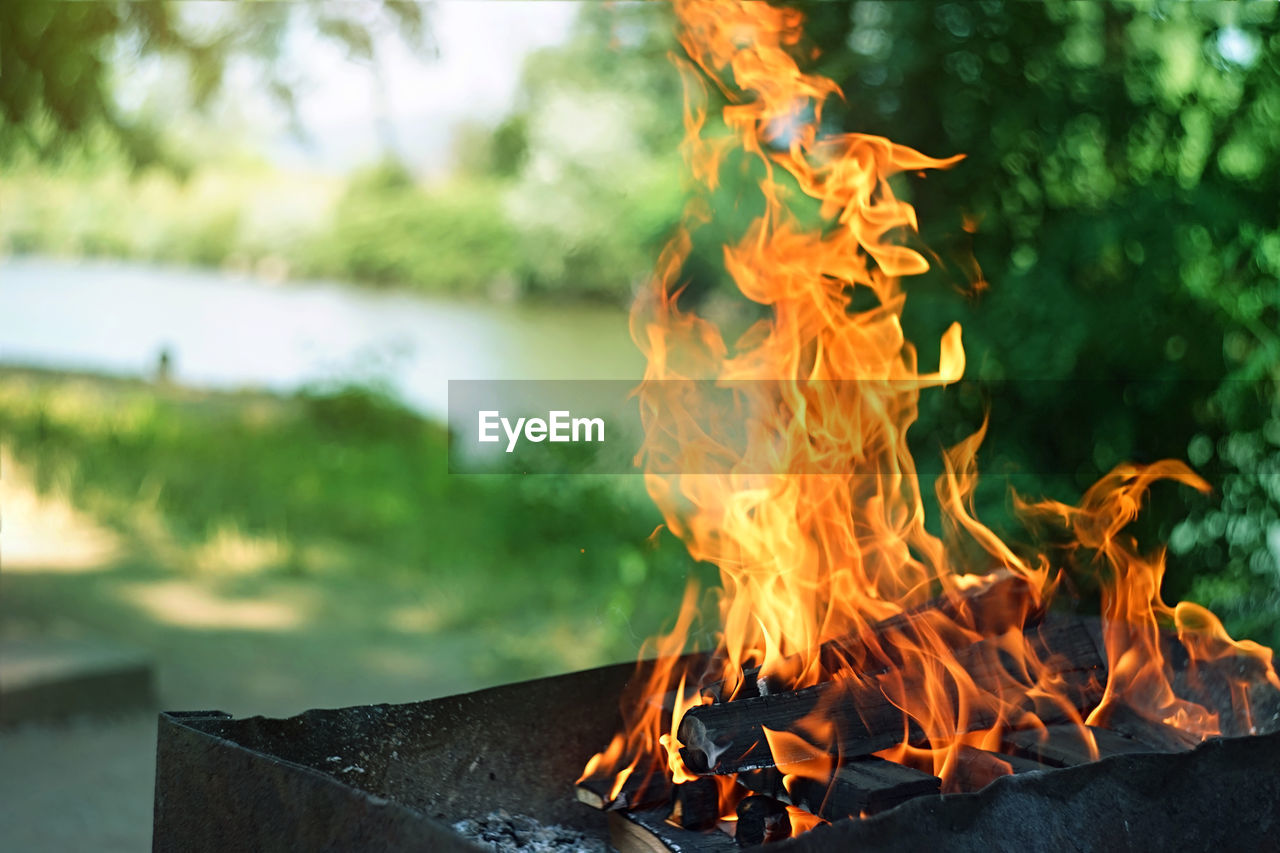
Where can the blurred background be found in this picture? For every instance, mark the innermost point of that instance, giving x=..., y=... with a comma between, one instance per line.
x=243, y=246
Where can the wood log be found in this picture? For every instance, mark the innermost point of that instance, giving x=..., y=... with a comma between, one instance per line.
x=990, y=609
x=729, y=737
x=1125, y=720
x=978, y=768
x=696, y=805
x=639, y=791
x=761, y=820
x=865, y=786
x=648, y=832
x=1065, y=746
x=862, y=786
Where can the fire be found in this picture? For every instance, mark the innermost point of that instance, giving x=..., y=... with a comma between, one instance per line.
x=802, y=491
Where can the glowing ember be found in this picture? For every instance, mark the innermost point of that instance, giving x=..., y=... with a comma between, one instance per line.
x=808, y=559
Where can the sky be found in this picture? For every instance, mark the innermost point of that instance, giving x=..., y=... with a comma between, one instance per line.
x=482, y=44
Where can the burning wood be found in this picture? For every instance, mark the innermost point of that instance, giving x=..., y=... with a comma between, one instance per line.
x=1166, y=738
x=696, y=804
x=830, y=648
x=650, y=832
x=978, y=768
x=634, y=792
x=1003, y=603
x=761, y=820
x=867, y=716
x=862, y=786
x=1068, y=746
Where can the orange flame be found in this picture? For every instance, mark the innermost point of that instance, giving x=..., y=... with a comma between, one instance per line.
x=803, y=491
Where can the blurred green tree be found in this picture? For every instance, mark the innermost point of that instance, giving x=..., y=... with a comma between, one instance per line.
x=1121, y=184
x=388, y=230
x=592, y=154
x=59, y=61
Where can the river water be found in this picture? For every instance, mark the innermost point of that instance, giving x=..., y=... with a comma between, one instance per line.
x=226, y=331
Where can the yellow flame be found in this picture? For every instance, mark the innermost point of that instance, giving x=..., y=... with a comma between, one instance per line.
x=802, y=490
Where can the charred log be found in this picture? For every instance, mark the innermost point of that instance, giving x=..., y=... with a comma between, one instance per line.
x=1007, y=601
x=863, y=786
x=978, y=768
x=649, y=832
x=729, y=737
x=696, y=805
x=761, y=820
x=1066, y=746
x=638, y=791
x=1125, y=720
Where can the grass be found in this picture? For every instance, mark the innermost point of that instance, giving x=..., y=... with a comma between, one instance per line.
x=262, y=515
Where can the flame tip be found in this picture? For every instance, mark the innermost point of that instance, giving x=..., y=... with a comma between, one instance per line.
x=835, y=576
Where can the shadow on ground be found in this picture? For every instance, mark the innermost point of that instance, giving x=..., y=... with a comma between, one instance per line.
x=271, y=555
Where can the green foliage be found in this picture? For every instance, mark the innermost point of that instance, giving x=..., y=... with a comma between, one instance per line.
x=597, y=189
x=1122, y=169
x=386, y=230
x=58, y=61
x=571, y=195
x=1237, y=537
x=93, y=202
x=509, y=146
x=54, y=63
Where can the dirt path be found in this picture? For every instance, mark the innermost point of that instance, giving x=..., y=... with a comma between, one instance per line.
x=235, y=641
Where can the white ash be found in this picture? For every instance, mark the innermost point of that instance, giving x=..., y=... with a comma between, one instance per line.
x=500, y=832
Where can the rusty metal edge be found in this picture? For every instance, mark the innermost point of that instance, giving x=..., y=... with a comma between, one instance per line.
x=214, y=795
